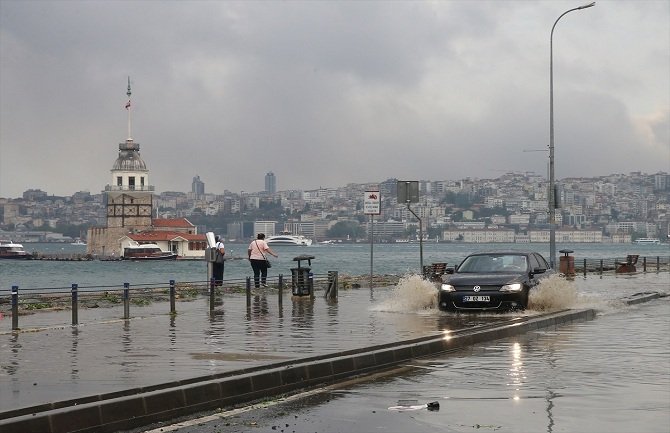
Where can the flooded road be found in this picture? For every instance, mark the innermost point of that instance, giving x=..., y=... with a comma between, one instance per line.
x=50, y=360
x=611, y=374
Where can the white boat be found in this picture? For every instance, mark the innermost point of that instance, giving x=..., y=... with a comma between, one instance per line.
x=10, y=250
x=652, y=241
x=78, y=242
x=147, y=252
x=286, y=238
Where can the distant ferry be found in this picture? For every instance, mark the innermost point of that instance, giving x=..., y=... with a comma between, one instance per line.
x=652, y=241
x=78, y=242
x=147, y=252
x=286, y=238
x=10, y=250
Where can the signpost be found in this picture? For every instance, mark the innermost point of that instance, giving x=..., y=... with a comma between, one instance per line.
x=408, y=192
x=372, y=206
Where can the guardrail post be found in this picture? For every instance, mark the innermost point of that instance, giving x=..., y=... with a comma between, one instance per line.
x=173, y=308
x=75, y=304
x=280, y=290
x=212, y=288
x=126, y=301
x=15, y=308
x=331, y=292
x=248, y=293
x=310, y=282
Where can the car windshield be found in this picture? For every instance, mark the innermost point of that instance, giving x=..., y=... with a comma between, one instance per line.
x=494, y=263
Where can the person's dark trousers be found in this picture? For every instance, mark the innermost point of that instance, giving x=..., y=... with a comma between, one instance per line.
x=217, y=273
x=260, y=268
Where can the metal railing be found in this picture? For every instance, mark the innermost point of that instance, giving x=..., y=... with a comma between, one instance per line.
x=76, y=296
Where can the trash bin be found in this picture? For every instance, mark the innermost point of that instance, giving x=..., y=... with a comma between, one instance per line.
x=301, y=277
x=566, y=264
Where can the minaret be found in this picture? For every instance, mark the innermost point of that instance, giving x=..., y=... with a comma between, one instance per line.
x=129, y=195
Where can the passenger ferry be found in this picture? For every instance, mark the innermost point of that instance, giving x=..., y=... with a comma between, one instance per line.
x=648, y=241
x=286, y=238
x=10, y=250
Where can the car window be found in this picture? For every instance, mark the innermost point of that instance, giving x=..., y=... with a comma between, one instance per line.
x=535, y=263
x=541, y=262
x=494, y=263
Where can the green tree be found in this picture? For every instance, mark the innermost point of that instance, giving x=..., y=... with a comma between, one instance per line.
x=342, y=229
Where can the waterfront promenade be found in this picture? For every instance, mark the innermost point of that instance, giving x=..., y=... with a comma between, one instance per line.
x=156, y=366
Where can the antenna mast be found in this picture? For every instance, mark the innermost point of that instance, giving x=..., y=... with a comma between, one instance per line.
x=130, y=137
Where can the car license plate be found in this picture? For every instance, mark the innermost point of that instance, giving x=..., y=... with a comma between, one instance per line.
x=476, y=299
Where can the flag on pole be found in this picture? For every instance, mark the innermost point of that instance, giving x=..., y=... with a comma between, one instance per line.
x=128, y=104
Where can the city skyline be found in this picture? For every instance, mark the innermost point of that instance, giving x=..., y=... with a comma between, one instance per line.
x=328, y=93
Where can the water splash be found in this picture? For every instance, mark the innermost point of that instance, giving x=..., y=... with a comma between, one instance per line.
x=411, y=294
x=553, y=293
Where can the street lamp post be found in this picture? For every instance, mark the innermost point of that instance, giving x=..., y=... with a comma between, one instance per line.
x=552, y=191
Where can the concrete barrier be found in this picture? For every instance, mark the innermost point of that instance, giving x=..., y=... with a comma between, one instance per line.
x=142, y=406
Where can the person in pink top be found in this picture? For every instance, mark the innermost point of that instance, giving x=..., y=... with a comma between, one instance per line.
x=257, y=251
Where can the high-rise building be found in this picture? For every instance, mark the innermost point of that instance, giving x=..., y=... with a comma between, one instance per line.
x=198, y=186
x=270, y=183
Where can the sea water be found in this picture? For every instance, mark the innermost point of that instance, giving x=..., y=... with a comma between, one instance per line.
x=348, y=259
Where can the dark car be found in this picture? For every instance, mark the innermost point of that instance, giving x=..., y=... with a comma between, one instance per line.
x=493, y=281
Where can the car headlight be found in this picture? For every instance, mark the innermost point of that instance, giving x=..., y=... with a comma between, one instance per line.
x=448, y=288
x=516, y=287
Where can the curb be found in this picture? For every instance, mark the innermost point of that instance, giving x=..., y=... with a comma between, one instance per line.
x=108, y=413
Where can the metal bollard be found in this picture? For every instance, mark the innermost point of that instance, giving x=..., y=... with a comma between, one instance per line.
x=310, y=282
x=75, y=305
x=584, y=267
x=173, y=308
x=248, y=293
x=280, y=289
x=601, y=266
x=332, y=285
x=212, y=285
x=644, y=264
x=15, y=308
x=126, y=301
x=658, y=263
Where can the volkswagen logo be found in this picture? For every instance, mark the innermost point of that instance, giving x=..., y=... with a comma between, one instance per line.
x=476, y=288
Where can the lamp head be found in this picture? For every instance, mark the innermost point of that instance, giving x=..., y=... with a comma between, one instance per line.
x=587, y=6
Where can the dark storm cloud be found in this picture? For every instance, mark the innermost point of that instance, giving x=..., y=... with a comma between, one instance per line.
x=327, y=93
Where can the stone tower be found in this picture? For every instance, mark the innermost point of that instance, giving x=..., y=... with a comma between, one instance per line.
x=128, y=198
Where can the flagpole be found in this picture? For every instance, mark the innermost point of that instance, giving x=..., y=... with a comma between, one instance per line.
x=130, y=137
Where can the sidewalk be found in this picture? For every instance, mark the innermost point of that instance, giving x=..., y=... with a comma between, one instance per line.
x=109, y=374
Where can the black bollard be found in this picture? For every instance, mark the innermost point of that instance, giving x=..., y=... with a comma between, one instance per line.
x=584, y=267
x=173, y=308
x=15, y=308
x=126, y=301
x=310, y=282
x=75, y=305
x=280, y=290
x=248, y=293
x=644, y=264
x=212, y=285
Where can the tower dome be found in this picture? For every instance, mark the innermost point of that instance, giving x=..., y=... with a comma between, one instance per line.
x=129, y=158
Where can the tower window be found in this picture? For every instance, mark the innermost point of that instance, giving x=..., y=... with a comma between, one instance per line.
x=119, y=181
x=131, y=182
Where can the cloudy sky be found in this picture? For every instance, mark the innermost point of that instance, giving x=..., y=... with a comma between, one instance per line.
x=324, y=93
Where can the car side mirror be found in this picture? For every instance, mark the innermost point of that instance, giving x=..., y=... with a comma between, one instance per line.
x=539, y=270
x=450, y=270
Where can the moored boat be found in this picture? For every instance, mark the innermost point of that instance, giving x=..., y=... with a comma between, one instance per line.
x=11, y=250
x=652, y=241
x=147, y=252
